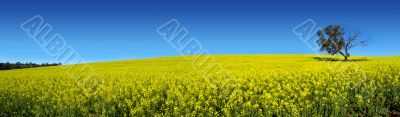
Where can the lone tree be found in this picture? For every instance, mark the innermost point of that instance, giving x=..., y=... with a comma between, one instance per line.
x=334, y=40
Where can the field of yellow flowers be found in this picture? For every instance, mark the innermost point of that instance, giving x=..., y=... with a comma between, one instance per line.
x=254, y=85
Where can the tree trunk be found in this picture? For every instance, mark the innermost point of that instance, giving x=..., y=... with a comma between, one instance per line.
x=345, y=58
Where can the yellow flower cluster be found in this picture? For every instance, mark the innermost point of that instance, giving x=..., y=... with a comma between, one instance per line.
x=256, y=85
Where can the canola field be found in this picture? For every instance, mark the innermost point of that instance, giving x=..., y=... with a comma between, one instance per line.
x=253, y=85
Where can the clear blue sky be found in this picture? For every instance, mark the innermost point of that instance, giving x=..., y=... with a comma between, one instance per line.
x=111, y=30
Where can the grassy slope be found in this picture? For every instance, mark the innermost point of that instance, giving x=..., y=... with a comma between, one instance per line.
x=270, y=59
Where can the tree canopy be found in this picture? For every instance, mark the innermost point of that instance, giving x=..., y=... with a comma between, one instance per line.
x=19, y=65
x=333, y=39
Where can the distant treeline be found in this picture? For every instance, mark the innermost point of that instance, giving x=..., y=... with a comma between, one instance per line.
x=19, y=65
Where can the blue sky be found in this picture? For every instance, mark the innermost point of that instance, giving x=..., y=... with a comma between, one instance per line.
x=121, y=29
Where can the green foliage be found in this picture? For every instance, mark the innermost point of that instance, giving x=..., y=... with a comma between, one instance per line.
x=19, y=65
